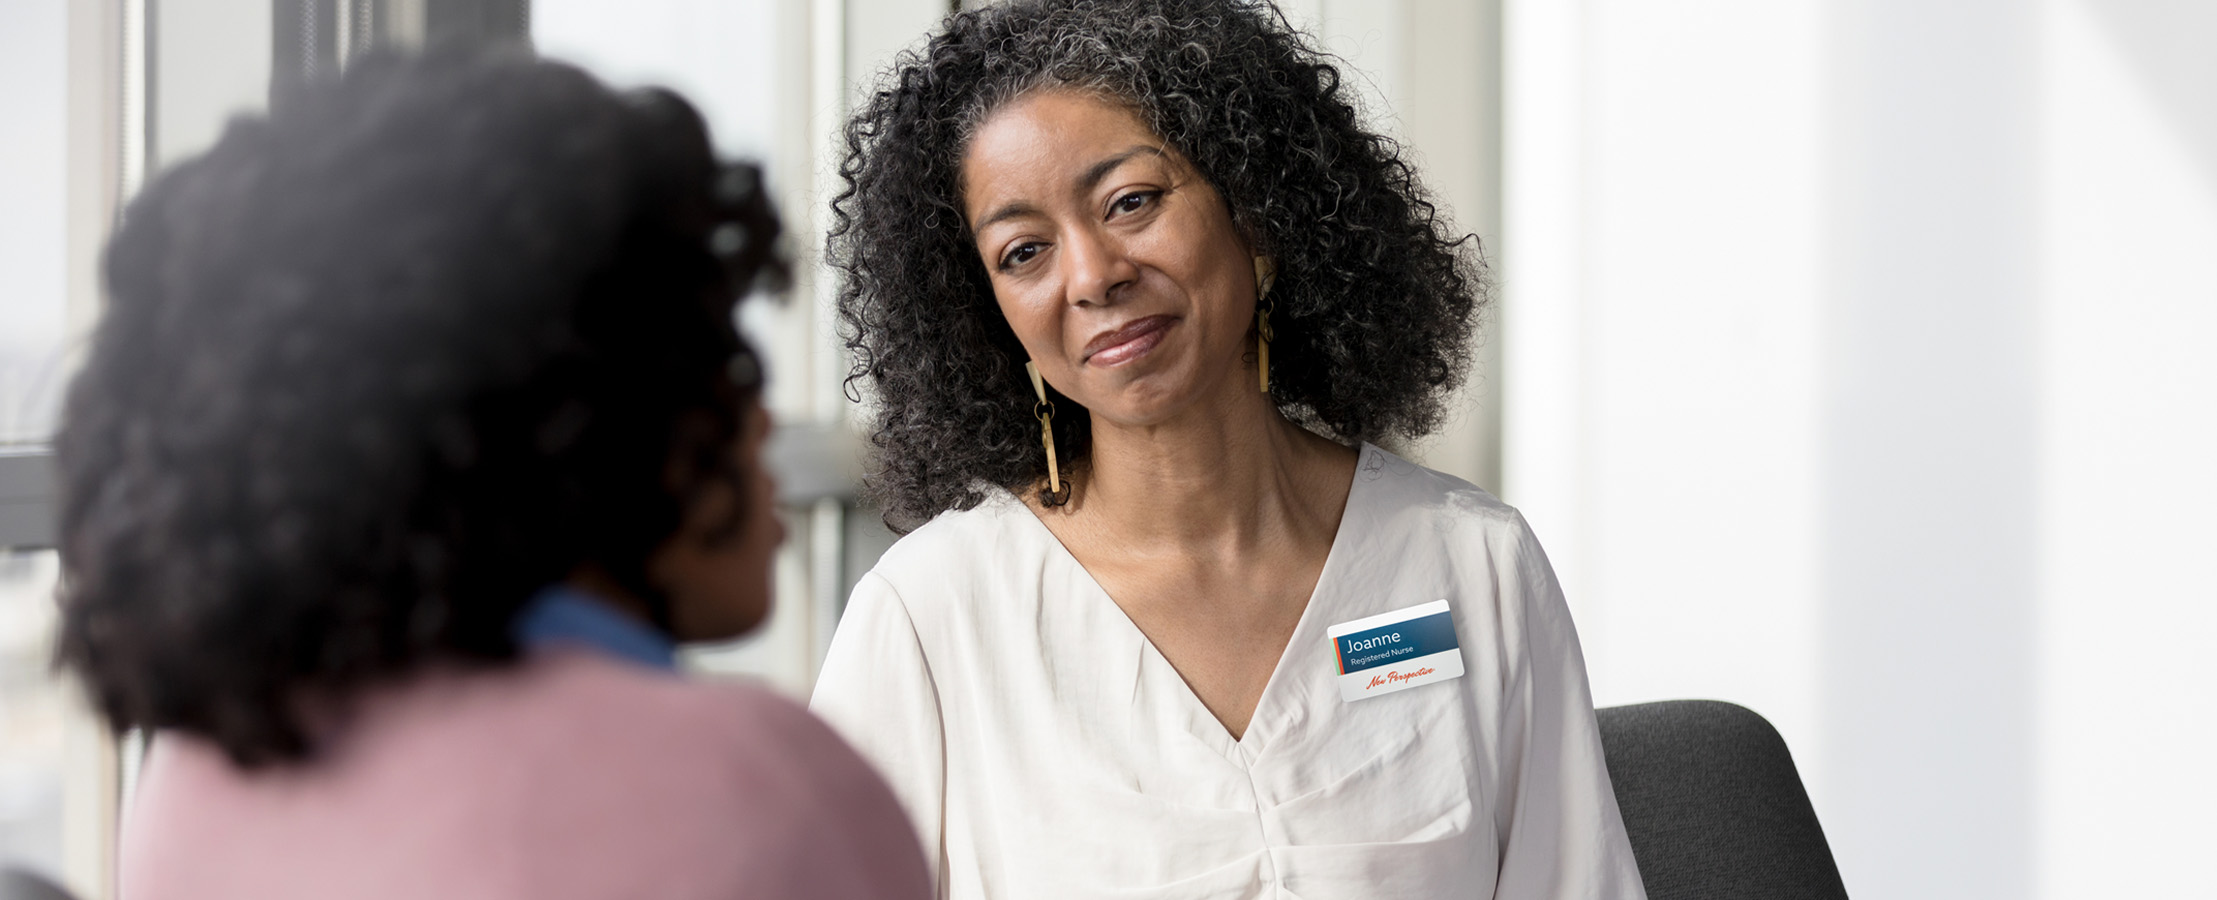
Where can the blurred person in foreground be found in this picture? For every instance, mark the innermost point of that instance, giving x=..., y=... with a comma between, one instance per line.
x=1137, y=292
x=416, y=432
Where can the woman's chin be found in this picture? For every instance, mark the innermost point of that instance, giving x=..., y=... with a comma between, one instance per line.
x=1154, y=403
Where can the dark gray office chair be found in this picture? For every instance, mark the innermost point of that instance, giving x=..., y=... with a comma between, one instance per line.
x=1714, y=805
x=24, y=884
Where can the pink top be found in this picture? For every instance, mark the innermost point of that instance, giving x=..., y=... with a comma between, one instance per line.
x=570, y=775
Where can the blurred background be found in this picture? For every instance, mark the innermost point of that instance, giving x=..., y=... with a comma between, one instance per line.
x=1850, y=361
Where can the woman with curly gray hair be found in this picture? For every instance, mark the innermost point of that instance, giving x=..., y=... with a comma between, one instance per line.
x=1134, y=291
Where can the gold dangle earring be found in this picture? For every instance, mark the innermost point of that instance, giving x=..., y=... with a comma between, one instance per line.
x=1266, y=273
x=1046, y=413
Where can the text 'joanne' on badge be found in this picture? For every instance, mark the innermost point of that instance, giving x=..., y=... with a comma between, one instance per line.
x=1396, y=650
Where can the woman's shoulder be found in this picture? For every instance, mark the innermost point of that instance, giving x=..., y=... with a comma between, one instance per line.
x=728, y=771
x=1406, y=515
x=730, y=734
x=638, y=713
x=963, y=553
x=1416, y=519
x=565, y=757
x=1398, y=490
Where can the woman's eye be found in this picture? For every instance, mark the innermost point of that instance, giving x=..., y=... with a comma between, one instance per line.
x=1020, y=254
x=1132, y=202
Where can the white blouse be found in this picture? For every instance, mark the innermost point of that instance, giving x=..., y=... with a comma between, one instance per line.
x=1044, y=748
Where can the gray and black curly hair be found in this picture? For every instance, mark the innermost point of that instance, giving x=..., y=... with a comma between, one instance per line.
x=1376, y=298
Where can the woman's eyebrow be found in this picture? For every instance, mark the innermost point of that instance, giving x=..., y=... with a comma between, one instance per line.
x=1007, y=211
x=1087, y=181
x=1093, y=174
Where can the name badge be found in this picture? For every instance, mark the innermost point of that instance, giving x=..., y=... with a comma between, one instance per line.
x=1396, y=650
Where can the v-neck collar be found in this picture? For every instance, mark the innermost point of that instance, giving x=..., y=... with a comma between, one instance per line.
x=1204, y=723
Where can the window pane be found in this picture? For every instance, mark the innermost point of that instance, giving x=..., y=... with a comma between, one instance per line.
x=31, y=715
x=33, y=100
x=718, y=53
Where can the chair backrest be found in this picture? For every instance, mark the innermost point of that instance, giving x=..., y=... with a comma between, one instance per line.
x=24, y=884
x=1714, y=805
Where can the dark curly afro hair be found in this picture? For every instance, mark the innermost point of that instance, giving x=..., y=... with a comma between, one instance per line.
x=378, y=368
x=1376, y=296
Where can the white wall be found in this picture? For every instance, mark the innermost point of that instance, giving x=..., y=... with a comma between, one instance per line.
x=2127, y=434
x=1929, y=445
x=1853, y=374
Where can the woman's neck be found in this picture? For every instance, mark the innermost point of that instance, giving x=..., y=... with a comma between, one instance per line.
x=1221, y=478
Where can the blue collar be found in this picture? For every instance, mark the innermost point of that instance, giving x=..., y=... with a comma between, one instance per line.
x=562, y=614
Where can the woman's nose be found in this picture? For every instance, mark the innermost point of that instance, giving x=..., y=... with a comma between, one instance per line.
x=1095, y=268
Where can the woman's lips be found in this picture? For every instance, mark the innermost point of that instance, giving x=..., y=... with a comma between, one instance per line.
x=1126, y=343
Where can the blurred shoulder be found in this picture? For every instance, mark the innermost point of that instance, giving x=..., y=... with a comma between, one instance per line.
x=613, y=778
x=769, y=784
x=736, y=723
